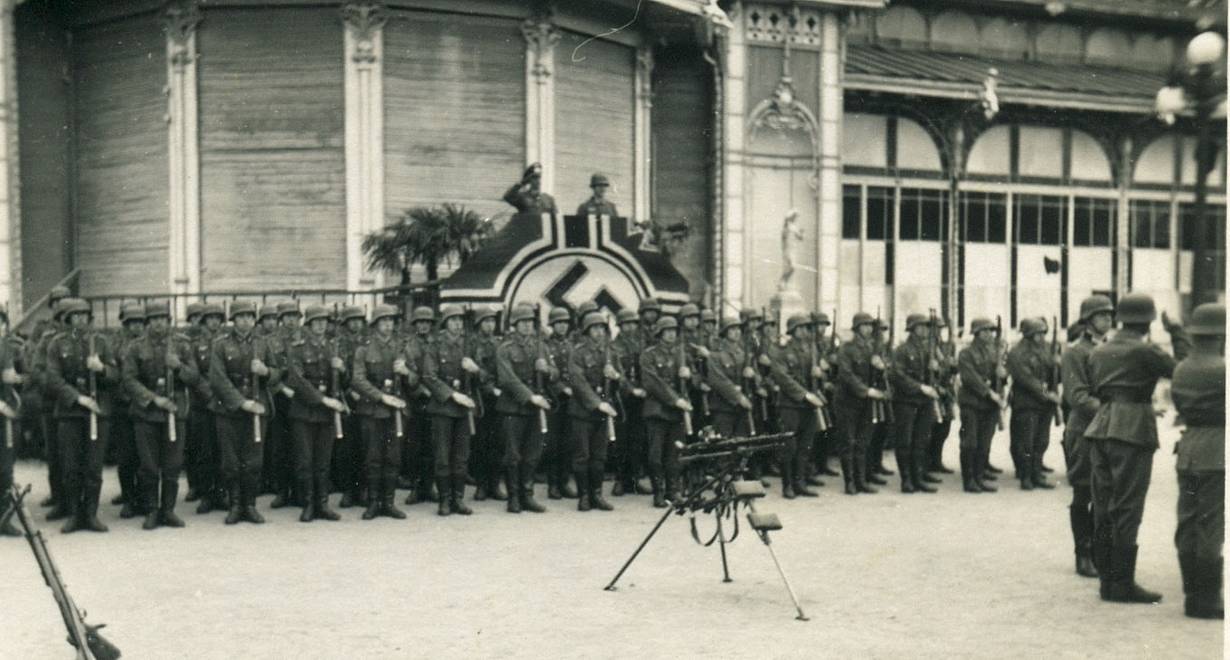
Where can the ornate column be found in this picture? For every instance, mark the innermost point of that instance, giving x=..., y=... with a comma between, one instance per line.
x=540, y=39
x=363, y=49
x=830, y=117
x=641, y=172
x=10, y=175
x=183, y=154
x=733, y=117
x=1123, y=220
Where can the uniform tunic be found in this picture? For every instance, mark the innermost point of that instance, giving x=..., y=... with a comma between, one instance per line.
x=232, y=382
x=790, y=369
x=450, y=429
x=1082, y=406
x=914, y=412
x=1199, y=392
x=1029, y=364
x=373, y=378
x=520, y=425
x=310, y=374
x=660, y=373
x=68, y=378
x=587, y=364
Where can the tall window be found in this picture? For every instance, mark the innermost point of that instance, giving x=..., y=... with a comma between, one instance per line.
x=1150, y=221
x=851, y=211
x=879, y=213
x=1093, y=222
x=1216, y=236
x=924, y=214
x=984, y=217
x=1038, y=219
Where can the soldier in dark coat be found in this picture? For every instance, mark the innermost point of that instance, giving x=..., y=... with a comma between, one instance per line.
x=598, y=204
x=792, y=369
x=77, y=359
x=1124, y=436
x=1029, y=363
x=418, y=458
x=557, y=455
x=1199, y=392
x=914, y=403
x=1097, y=317
x=122, y=434
x=314, y=367
x=202, y=447
x=729, y=373
x=488, y=448
x=630, y=428
x=523, y=373
x=378, y=366
x=595, y=379
x=9, y=379
x=348, y=454
x=159, y=369
x=240, y=377
x=527, y=196
x=447, y=367
x=41, y=398
x=662, y=368
x=854, y=402
x=980, y=404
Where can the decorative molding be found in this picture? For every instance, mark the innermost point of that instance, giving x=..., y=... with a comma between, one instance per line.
x=10, y=174
x=180, y=20
x=643, y=158
x=541, y=36
x=769, y=24
x=363, y=80
x=784, y=112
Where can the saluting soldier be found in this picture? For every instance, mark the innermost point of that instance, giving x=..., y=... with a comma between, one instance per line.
x=203, y=437
x=558, y=453
x=792, y=370
x=240, y=377
x=488, y=448
x=527, y=196
x=9, y=380
x=159, y=370
x=523, y=372
x=78, y=358
x=1029, y=364
x=729, y=370
x=980, y=404
x=447, y=365
x=1097, y=317
x=630, y=427
x=598, y=204
x=1123, y=437
x=378, y=367
x=312, y=362
x=661, y=371
x=123, y=439
x=595, y=380
x=913, y=403
x=1199, y=392
x=348, y=455
x=854, y=402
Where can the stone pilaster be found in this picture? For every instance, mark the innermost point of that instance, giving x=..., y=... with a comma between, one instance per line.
x=830, y=119
x=10, y=176
x=641, y=167
x=540, y=39
x=734, y=247
x=363, y=78
x=180, y=20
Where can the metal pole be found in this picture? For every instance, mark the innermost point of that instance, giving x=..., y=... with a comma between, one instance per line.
x=1205, y=278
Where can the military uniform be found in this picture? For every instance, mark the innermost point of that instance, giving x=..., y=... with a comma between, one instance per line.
x=557, y=456
x=630, y=426
x=40, y=392
x=660, y=365
x=792, y=367
x=68, y=378
x=1124, y=436
x=727, y=380
x=373, y=378
x=418, y=456
x=854, y=407
x=1029, y=364
x=913, y=411
x=488, y=449
x=596, y=205
x=590, y=364
x=348, y=454
x=280, y=451
x=525, y=198
x=1199, y=392
x=313, y=376
x=8, y=426
x=521, y=422
x=122, y=442
x=826, y=357
x=202, y=452
x=240, y=438
x=977, y=365
x=148, y=377
x=445, y=375
x=946, y=359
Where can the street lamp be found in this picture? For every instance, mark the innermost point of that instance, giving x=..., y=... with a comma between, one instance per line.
x=1200, y=88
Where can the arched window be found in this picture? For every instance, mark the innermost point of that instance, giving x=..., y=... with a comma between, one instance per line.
x=1153, y=53
x=990, y=153
x=1156, y=163
x=954, y=32
x=915, y=148
x=1004, y=37
x=1089, y=161
x=1108, y=46
x=1059, y=42
x=901, y=25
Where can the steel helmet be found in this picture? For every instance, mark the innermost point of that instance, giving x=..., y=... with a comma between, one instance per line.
x=1136, y=308
x=559, y=314
x=665, y=323
x=240, y=307
x=383, y=311
x=915, y=320
x=154, y=309
x=132, y=311
x=1095, y=304
x=314, y=312
x=522, y=313
x=591, y=319
x=1208, y=319
x=422, y=313
x=798, y=321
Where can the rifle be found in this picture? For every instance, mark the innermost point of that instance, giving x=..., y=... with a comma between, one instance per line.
x=928, y=375
x=822, y=422
x=996, y=384
x=683, y=387
x=750, y=383
x=542, y=413
x=170, y=389
x=93, y=392
x=256, y=417
x=467, y=383
x=607, y=388
x=87, y=639
x=1053, y=380
x=335, y=389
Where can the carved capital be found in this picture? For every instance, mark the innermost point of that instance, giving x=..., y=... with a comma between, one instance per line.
x=364, y=19
x=179, y=21
x=541, y=36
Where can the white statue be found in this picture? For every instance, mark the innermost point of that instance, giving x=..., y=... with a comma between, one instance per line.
x=792, y=238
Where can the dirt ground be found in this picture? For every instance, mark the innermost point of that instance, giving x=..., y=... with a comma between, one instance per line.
x=883, y=576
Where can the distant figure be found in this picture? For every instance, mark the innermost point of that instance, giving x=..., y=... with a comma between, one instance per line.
x=598, y=204
x=792, y=237
x=527, y=196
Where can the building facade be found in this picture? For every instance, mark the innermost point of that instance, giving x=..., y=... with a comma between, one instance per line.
x=976, y=158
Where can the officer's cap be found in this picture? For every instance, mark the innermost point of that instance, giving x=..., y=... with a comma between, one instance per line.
x=665, y=323
x=626, y=316
x=384, y=312
x=314, y=312
x=798, y=321
x=240, y=307
x=1208, y=319
x=534, y=170
x=599, y=180
x=591, y=319
x=559, y=314
x=1095, y=304
x=155, y=309
x=132, y=311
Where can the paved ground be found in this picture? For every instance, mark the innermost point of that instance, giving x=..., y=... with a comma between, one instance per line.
x=884, y=576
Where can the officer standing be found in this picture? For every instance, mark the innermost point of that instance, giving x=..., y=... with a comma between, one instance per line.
x=313, y=366
x=1199, y=392
x=914, y=402
x=1097, y=317
x=595, y=380
x=159, y=369
x=122, y=435
x=378, y=366
x=1029, y=364
x=446, y=367
x=630, y=428
x=598, y=204
x=488, y=449
x=980, y=404
x=202, y=427
x=239, y=377
x=527, y=196
x=729, y=371
x=662, y=369
x=854, y=401
x=792, y=370
x=81, y=372
x=1123, y=437
x=523, y=373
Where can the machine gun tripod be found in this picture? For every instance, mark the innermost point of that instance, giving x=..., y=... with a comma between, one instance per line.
x=721, y=495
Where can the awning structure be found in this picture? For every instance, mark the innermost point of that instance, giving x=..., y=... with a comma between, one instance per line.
x=953, y=75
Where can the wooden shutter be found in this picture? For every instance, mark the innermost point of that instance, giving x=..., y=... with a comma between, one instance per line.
x=454, y=119
x=119, y=71
x=594, y=105
x=273, y=207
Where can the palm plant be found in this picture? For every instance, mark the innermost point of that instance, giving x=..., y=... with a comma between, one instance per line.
x=429, y=236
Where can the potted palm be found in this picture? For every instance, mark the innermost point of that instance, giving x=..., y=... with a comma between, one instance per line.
x=445, y=235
